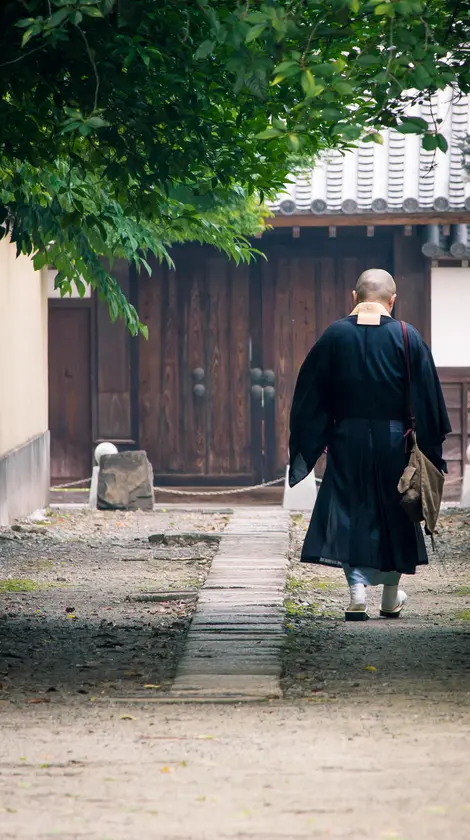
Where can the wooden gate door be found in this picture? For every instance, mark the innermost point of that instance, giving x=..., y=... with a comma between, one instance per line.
x=304, y=286
x=456, y=388
x=70, y=391
x=194, y=383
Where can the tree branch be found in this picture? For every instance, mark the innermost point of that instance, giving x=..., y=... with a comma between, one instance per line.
x=93, y=64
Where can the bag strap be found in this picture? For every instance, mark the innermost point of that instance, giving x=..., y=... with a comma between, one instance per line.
x=408, y=376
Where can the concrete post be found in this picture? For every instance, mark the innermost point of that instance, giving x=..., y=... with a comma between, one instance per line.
x=104, y=448
x=465, y=496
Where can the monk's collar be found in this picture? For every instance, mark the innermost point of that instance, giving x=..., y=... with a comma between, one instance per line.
x=369, y=313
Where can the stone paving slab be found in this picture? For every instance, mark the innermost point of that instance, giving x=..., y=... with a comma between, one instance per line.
x=233, y=649
x=246, y=688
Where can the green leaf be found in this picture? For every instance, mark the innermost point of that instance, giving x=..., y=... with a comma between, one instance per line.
x=323, y=69
x=268, y=133
x=343, y=87
x=373, y=138
x=293, y=142
x=28, y=35
x=58, y=17
x=92, y=11
x=257, y=17
x=412, y=125
x=254, y=32
x=430, y=142
x=285, y=66
x=368, y=60
x=442, y=143
x=307, y=80
x=385, y=9
x=96, y=122
x=204, y=50
x=144, y=331
x=24, y=23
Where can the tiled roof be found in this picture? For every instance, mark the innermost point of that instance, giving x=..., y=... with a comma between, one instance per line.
x=396, y=176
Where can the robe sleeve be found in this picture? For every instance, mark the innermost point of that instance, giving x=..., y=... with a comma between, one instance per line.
x=310, y=418
x=432, y=421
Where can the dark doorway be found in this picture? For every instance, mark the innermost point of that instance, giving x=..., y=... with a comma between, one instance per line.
x=70, y=391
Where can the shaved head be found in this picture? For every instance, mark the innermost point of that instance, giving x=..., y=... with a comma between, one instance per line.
x=375, y=285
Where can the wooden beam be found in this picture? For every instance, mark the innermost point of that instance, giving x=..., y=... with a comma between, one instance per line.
x=328, y=220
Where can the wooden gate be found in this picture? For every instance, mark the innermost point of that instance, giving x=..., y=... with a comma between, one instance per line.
x=303, y=289
x=70, y=390
x=194, y=383
x=456, y=388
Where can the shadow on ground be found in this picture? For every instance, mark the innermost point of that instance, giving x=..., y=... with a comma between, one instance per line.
x=41, y=656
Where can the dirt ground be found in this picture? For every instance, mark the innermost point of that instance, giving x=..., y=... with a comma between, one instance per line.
x=424, y=654
x=66, y=628
x=372, y=741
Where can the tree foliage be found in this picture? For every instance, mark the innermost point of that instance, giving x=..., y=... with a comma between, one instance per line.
x=128, y=125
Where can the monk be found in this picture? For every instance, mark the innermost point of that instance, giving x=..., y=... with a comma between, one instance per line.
x=351, y=398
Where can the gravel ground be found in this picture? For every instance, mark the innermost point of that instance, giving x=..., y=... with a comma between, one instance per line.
x=425, y=654
x=66, y=628
x=371, y=742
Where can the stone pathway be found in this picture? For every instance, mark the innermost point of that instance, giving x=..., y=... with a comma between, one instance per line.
x=234, y=644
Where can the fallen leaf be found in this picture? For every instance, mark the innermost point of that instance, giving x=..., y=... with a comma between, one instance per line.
x=371, y=668
x=150, y=685
x=34, y=700
x=166, y=770
x=127, y=717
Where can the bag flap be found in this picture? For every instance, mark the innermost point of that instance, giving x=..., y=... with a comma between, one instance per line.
x=406, y=480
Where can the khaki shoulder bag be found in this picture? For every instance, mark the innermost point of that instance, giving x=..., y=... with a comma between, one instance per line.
x=421, y=484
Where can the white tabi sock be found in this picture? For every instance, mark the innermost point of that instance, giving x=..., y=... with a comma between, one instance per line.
x=358, y=597
x=389, y=597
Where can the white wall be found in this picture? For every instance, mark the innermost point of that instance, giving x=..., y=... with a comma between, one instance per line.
x=450, y=316
x=23, y=350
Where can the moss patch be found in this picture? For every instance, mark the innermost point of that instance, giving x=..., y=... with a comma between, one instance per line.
x=298, y=610
x=462, y=590
x=23, y=585
x=463, y=615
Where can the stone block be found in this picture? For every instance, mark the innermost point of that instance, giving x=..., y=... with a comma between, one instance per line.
x=125, y=482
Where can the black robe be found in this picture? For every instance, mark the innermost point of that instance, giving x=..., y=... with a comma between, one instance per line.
x=351, y=398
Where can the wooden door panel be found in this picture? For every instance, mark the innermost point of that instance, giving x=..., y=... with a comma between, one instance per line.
x=195, y=407
x=456, y=389
x=217, y=361
x=70, y=392
x=203, y=314
x=150, y=363
x=305, y=287
x=239, y=365
x=113, y=416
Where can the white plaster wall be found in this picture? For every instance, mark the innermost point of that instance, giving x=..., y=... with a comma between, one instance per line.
x=450, y=316
x=23, y=350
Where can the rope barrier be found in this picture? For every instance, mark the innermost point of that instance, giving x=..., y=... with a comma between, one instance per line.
x=233, y=492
